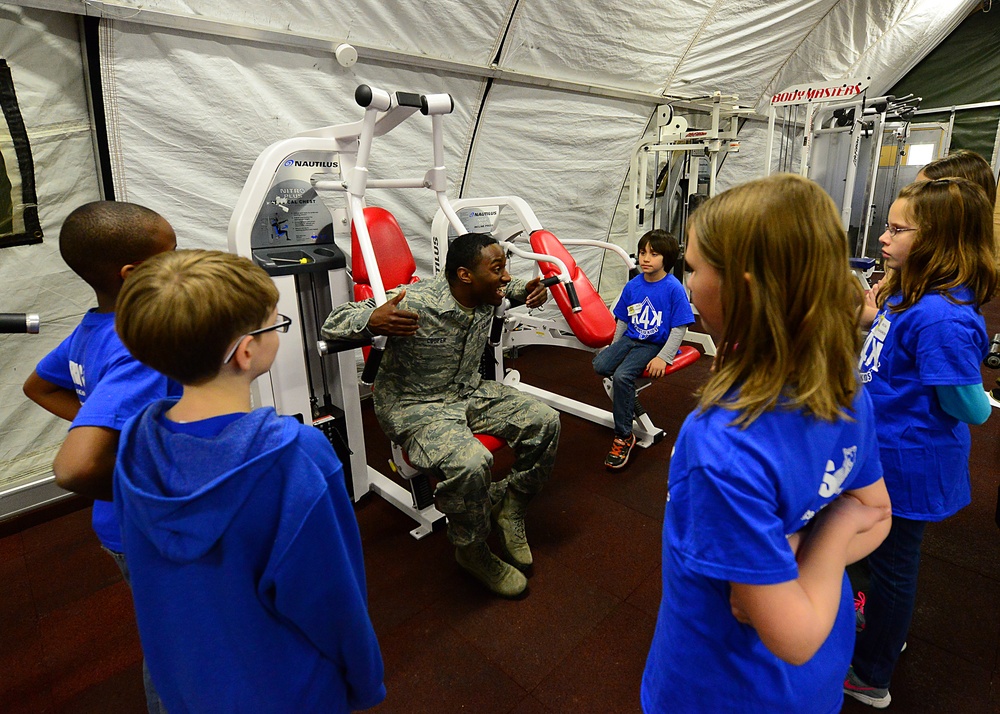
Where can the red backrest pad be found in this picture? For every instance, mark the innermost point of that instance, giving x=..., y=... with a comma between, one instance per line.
x=395, y=261
x=594, y=325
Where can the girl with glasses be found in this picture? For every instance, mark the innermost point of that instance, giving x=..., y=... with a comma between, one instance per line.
x=921, y=363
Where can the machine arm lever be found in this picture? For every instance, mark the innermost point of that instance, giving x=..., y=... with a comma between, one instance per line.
x=18, y=322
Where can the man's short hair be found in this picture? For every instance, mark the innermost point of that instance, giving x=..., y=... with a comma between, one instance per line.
x=664, y=243
x=466, y=252
x=180, y=312
x=98, y=239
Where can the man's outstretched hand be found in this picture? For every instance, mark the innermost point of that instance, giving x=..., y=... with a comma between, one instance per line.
x=537, y=293
x=389, y=320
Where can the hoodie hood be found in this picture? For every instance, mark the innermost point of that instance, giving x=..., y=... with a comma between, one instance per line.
x=183, y=490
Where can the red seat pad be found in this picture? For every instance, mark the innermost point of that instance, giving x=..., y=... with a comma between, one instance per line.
x=685, y=355
x=492, y=443
x=594, y=325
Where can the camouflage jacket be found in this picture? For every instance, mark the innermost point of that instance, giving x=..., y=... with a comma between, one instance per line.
x=440, y=362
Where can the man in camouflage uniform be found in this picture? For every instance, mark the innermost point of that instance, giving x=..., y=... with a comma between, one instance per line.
x=430, y=398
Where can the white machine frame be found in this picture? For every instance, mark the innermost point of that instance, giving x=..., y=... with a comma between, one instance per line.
x=674, y=137
x=345, y=147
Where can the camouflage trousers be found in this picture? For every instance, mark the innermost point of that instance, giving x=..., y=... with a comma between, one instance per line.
x=437, y=436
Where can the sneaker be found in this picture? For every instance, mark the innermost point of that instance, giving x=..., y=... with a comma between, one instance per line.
x=872, y=696
x=859, y=616
x=621, y=449
x=501, y=579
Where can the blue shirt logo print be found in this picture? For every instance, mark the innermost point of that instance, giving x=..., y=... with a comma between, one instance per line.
x=647, y=319
x=872, y=351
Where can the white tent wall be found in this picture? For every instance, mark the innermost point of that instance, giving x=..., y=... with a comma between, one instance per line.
x=463, y=33
x=630, y=45
x=195, y=90
x=560, y=152
x=43, y=50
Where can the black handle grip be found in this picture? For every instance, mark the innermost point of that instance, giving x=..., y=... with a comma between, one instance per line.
x=18, y=323
x=408, y=99
x=549, y=282
x=496, y=331
x=371, y=366
x=573, y=299
x=879, y=106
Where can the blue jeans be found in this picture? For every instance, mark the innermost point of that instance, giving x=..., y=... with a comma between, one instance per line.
x=624, y=361
x=889, y=602
x=153, y=703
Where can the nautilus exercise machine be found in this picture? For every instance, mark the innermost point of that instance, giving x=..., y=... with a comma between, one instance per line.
x=282, y=222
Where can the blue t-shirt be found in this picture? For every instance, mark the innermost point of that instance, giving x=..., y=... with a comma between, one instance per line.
x=735, y=495
x=925, y=450
x=652, y=310
x=112, y=386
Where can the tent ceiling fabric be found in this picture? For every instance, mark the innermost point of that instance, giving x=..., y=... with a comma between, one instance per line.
x=687, y=49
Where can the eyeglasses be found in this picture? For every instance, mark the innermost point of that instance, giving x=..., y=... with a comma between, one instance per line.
x=893, y=230
x=281, y=325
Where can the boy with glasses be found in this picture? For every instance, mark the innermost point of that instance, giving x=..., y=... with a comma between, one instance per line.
x=246, y=560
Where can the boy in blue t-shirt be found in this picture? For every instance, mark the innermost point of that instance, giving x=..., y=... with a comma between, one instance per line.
x=653, y=313
x=247, y=570
x=90, y=379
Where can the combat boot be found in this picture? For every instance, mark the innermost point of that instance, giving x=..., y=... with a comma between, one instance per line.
x=509, y=517
x=498, y=576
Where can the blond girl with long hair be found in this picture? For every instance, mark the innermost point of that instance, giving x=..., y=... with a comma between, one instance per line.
x=921, y=363
x=775, y=482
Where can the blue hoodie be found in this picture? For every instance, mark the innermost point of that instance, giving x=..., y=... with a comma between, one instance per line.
x=246, y=565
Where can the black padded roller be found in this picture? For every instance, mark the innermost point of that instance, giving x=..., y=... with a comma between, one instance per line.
x=363, y=95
